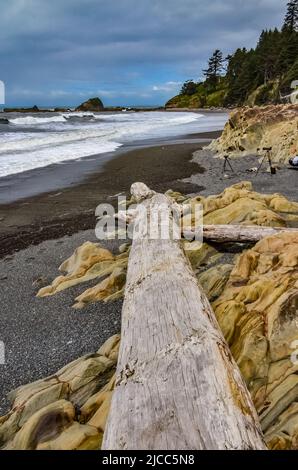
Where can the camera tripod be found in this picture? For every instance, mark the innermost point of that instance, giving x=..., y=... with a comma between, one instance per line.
x=227, y=162
x=267, y=155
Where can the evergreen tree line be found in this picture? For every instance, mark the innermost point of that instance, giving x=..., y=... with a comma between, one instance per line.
x=268, y=70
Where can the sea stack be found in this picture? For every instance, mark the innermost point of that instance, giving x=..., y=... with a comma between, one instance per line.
x=93, y=104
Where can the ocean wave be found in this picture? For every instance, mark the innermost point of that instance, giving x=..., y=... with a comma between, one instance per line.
x=154, y=116
x=32, y=120
x=41, y=157
x=61, y=139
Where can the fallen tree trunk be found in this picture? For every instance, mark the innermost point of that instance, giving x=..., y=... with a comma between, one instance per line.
x=177, y=385
x=213, y=233
x=237, y=233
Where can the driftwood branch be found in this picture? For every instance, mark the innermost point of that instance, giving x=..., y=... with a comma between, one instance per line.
x=212, y=233
x=177, y=385
x=237, y=233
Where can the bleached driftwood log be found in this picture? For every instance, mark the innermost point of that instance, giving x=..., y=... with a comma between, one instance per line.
x=177, y=384
x=213, y=233
x=237, y=233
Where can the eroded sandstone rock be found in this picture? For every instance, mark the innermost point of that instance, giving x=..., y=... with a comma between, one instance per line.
x=213, y=281
x=258, y=314
x=67, y=410
x=251, y=128
x=88, y=262
x=240, y=204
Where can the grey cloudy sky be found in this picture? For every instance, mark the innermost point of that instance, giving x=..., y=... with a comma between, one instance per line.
x=60, y=52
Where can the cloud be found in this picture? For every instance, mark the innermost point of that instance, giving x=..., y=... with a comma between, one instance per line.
x=167, y=87
x=61, y=51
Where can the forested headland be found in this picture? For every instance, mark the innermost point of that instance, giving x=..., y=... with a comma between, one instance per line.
x=250, y=77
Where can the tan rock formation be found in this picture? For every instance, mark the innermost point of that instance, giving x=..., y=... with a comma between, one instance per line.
x=213, y=281
x=88, y=262
x=239, y=204
x=258, y=314
x=251, y=128
x=67, y=410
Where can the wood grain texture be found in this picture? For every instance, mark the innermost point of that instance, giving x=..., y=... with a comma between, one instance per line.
x=177, y=384
x=240, y=233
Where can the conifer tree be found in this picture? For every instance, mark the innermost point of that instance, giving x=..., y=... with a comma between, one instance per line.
x=188, y=88
x=291, y=18
x=215, y=67
x=255, y=76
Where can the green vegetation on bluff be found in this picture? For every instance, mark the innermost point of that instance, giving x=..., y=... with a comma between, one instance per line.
x=248, y=77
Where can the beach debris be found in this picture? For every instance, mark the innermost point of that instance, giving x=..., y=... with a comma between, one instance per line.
x=238, y=233
x=139, y=192
x=126, y=216
x=124, y=247
x=114, y=196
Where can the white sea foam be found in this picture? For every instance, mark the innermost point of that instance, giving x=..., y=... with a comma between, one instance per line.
x=32, y=120
x=38, y=141
x=43, y=157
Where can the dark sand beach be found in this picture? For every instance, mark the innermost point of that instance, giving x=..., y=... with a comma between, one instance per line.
x=71, y=208
x=37, y=234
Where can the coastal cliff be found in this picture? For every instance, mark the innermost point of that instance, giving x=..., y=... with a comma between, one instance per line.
x=250, y=129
